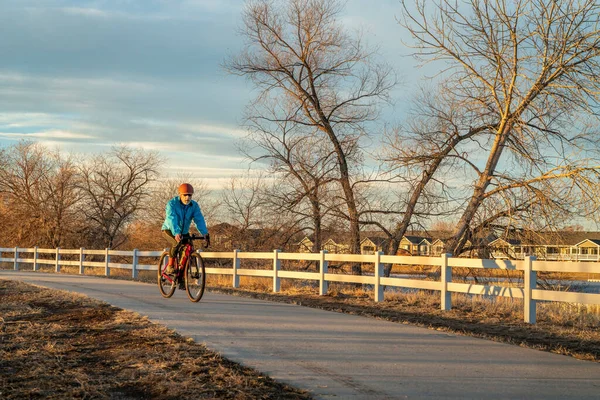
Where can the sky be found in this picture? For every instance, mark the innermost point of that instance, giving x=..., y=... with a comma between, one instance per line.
x=87, y=75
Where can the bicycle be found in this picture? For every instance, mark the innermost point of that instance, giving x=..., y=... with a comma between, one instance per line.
x=189, y=274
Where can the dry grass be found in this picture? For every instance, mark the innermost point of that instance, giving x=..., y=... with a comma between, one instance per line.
x=57, y=345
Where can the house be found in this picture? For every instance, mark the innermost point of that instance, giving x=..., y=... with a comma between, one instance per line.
x=305, y=245
x=369, y=245
x=437, y=247
x=505, y=248
x=331, y=246
x=587, y=250
x=416, y=245
x=551, y=246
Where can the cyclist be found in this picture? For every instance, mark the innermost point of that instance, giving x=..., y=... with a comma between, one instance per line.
x=180, y=211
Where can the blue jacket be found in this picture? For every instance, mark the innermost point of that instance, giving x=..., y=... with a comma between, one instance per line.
x=179, y=217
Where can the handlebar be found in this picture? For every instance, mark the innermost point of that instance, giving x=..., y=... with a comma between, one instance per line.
x=198, y=237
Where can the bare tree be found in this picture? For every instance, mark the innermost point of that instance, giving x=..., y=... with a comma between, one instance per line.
x=243, y=202
x=300, y=160
x=299, y=54
x=426, y=154
x=40, y=189
x=257, y=227
x=114, y=187
x=60, y=200
x=530, y=70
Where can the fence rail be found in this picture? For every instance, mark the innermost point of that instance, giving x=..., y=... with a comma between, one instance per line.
x=530, y=293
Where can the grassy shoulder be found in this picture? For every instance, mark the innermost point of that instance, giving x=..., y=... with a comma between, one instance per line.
x=55, y=344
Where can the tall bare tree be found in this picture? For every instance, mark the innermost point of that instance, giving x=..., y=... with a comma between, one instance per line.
x=39, y=186
x=298, y=53
x=530, y=70
x=114, y=186
x=424, y=153
x=299, y=160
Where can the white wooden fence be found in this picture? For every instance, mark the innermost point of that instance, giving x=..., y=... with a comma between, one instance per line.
x=530, y=293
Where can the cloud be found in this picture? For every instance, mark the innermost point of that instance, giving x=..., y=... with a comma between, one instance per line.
x=88, y=12
x=87, y=74
x=51, y=134
x=195, y=128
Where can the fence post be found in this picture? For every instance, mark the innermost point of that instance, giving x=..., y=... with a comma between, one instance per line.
x=276, y=268
x=323, y=264
x=81, y=258
x=378, y=272
x=134, y=262
x=16, y=265
x=446, y=276
x=106, y=263
x=236, y=266
x=57, y=268
x=530, y=283
x=35, y=258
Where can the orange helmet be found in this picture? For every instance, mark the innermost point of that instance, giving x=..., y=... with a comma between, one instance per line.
x=186, y=188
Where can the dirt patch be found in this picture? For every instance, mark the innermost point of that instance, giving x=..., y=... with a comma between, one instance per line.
x=55, y=344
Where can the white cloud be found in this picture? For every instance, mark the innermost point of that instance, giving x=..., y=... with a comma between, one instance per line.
x=51, y=134
x=182, y=10
x=16, y=120
x=92, y=12
x=158, y=146
x=196, y=128
x=85, y=75
x=106, y=83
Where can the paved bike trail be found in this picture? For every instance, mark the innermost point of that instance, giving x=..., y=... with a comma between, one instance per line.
x=340, y=356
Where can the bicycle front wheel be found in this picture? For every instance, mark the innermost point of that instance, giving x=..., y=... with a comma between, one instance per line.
x=195, y=278
x=166, y=284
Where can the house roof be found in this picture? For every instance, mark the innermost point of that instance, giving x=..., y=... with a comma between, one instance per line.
x=416, y=239
x=564, y=238
x=306, y=242
x=595, y=241
x=511, y=242
x=524, y=238
x=377, y=241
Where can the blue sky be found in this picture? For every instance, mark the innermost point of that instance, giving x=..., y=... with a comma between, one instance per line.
x=86, y=75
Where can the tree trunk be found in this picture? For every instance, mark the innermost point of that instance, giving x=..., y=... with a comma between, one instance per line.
x=459, y=237
x=316, y=211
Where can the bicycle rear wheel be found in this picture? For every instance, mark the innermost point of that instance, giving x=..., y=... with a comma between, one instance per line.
x=166, y=284
x=195, y=278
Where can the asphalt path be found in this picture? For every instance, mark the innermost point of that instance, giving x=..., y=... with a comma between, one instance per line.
x=340, y=356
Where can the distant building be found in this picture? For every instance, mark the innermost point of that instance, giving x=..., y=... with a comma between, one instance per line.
x=559, y=246
x=305, y=245
x=333, y=247
x=370, y=245
x=574, y=246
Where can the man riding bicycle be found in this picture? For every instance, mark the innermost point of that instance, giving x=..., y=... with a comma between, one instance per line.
x=180, y=211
